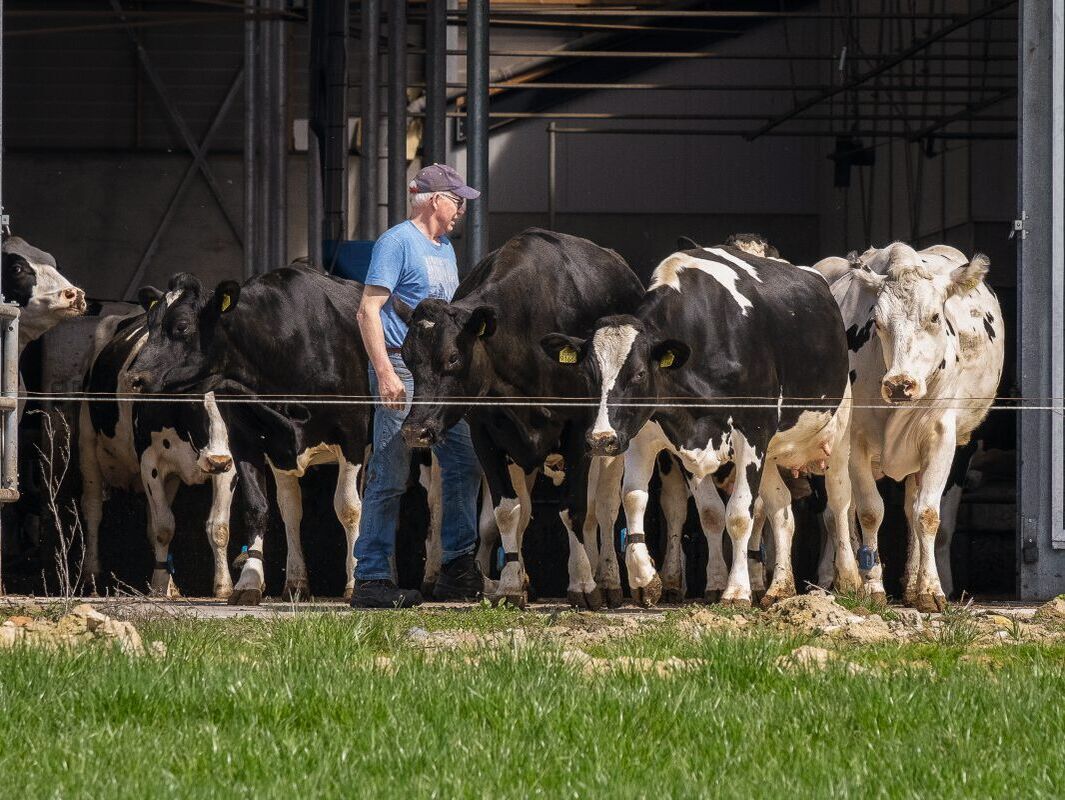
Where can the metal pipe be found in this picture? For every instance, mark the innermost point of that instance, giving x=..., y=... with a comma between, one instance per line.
x=435, y=142
x=678, y=54
x=591, y=115
x=477, y=38
x=759, y=15
x=316, y=79
x=551, y=172
x=720, y=87
x=278, y=131
x=882, y=67
x=251, y=81
x=335, y=114
x=397, y=111
x=9, y=466
x=965, y=136
x=369, y=112
x=264, y=161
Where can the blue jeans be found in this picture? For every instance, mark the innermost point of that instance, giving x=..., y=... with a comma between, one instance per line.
x=386, y=481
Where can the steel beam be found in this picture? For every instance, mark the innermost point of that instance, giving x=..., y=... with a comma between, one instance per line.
x=251, y=139
x=435, y=142
x=397, y=111
x=369, y=113
x=1040, y=298
x=477, y=129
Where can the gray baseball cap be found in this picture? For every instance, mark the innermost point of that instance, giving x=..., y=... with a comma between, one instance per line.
x=442, y=178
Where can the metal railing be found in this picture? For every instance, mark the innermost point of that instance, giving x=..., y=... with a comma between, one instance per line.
x=9, y=402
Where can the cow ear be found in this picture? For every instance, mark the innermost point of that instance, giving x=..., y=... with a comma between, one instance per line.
x=685, y=243
x=226, y=295
x=562, y=349
x=872, y=280
x=148, y=296
x=964, y=279
x=482, y=322
x=403, y=311
x=670, y=354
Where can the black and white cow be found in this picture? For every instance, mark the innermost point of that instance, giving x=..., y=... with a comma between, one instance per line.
x=729, y=357
x=482, y=346
x=33, y=282
x=291, y=334
x=149, y=448
x=926, y=352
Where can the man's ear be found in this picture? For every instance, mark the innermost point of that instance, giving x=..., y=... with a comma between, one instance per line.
x=403, y=311
x=670, y=354
x=226, y=295
x=562, y=349
x=148, y=296
x=482, y=322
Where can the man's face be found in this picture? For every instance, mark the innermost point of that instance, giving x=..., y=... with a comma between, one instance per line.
x=449, y=209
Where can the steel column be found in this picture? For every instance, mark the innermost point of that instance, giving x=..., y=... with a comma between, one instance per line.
x=251, y=71
x=277, y=130
x=435, y=142
x=1040, y=295
x=397, y=111
x=477, y=129
x=369, y=112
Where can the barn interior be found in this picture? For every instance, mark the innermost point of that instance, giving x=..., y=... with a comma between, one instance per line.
x=227, y=137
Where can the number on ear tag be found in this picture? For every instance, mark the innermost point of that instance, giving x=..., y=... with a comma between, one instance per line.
x=567, y=355
x=666, y=360
x=227, y=301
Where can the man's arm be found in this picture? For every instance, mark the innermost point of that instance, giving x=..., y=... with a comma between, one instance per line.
x=389, y=386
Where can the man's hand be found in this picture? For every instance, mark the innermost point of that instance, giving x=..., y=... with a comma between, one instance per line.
x=391, y=391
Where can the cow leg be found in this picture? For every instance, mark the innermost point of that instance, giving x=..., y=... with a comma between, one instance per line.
x=674, y=501
x=348, y=506
x=847, y=578
x=222, y=488
x=92, y=498
x=607, y=505
x=826, y=564
x=429, y=478
x=582, y=591
x=776, y=500
x=160, y=489
x=644, y=583
x=290, y=503
x=934, y=476
x=739, y=519
x=712, y=520
x=948, y=523
x=870, y=507
x=590, y=535
x=523, y=483
x=488, y=535
x=913, y=549
x=248, y=590
x=755, y=557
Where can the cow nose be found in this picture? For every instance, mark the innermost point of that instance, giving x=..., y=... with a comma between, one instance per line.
x=899, y=389
x=604, y=443
x=216, y=465
x=136, y=381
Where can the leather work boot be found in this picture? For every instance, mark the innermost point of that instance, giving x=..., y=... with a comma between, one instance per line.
x=460, y=580
x=383, y=594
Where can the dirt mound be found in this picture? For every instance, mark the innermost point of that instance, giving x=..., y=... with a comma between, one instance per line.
x=1054, y=611
x=703, y=621
x=589, y=665
x=84, y=625
x=813, y=613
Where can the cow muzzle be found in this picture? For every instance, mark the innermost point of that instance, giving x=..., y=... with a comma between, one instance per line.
x=216, y=464
x=604, y=443
x=420, y=434
x=898, y=389
x=137, y=381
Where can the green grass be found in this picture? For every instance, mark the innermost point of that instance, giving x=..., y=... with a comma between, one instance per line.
x=296, y=708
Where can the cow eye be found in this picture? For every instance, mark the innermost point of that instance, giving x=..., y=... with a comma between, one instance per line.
x=453, y=360
x=639, y=376
x=182, y=327
x=935, y=319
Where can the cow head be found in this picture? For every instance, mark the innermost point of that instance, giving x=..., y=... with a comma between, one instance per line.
x=31, y=279
x=443, y=348
x=910, y=315
x=182, y=324
x=623, y=362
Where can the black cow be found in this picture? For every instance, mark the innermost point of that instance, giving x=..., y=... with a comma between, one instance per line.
x=289, y=333
x=729, y=357
x=483, y=345
x=149, y=447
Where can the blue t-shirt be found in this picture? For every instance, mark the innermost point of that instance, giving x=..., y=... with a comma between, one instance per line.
x=411, y=266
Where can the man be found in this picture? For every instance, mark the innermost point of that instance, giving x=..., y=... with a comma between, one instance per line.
x=413, y=261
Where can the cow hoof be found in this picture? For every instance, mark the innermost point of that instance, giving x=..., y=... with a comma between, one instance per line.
x=614, y=597
x=293, y=592
x=223, y=592
x=246, y=597
x=929, y=603
x=712, y=596
x=586, y=601
x=649, y=595
x=736, y=602
x=349, y=592
x=673, y=596
x=767, y=601
x=428, y=587
x=757, y=595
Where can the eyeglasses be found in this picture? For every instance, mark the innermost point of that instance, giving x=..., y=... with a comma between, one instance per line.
x=458, y=201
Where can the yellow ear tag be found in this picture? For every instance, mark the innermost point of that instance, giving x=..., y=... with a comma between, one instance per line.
x=153, y=304
x=666, y=360
x=567, y=355
x=484, y=327
x=227, y=301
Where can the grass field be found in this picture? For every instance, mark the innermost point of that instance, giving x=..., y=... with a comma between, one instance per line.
x=340, y=705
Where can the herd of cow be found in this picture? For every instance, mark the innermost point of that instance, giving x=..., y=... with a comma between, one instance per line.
x=734, y=372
